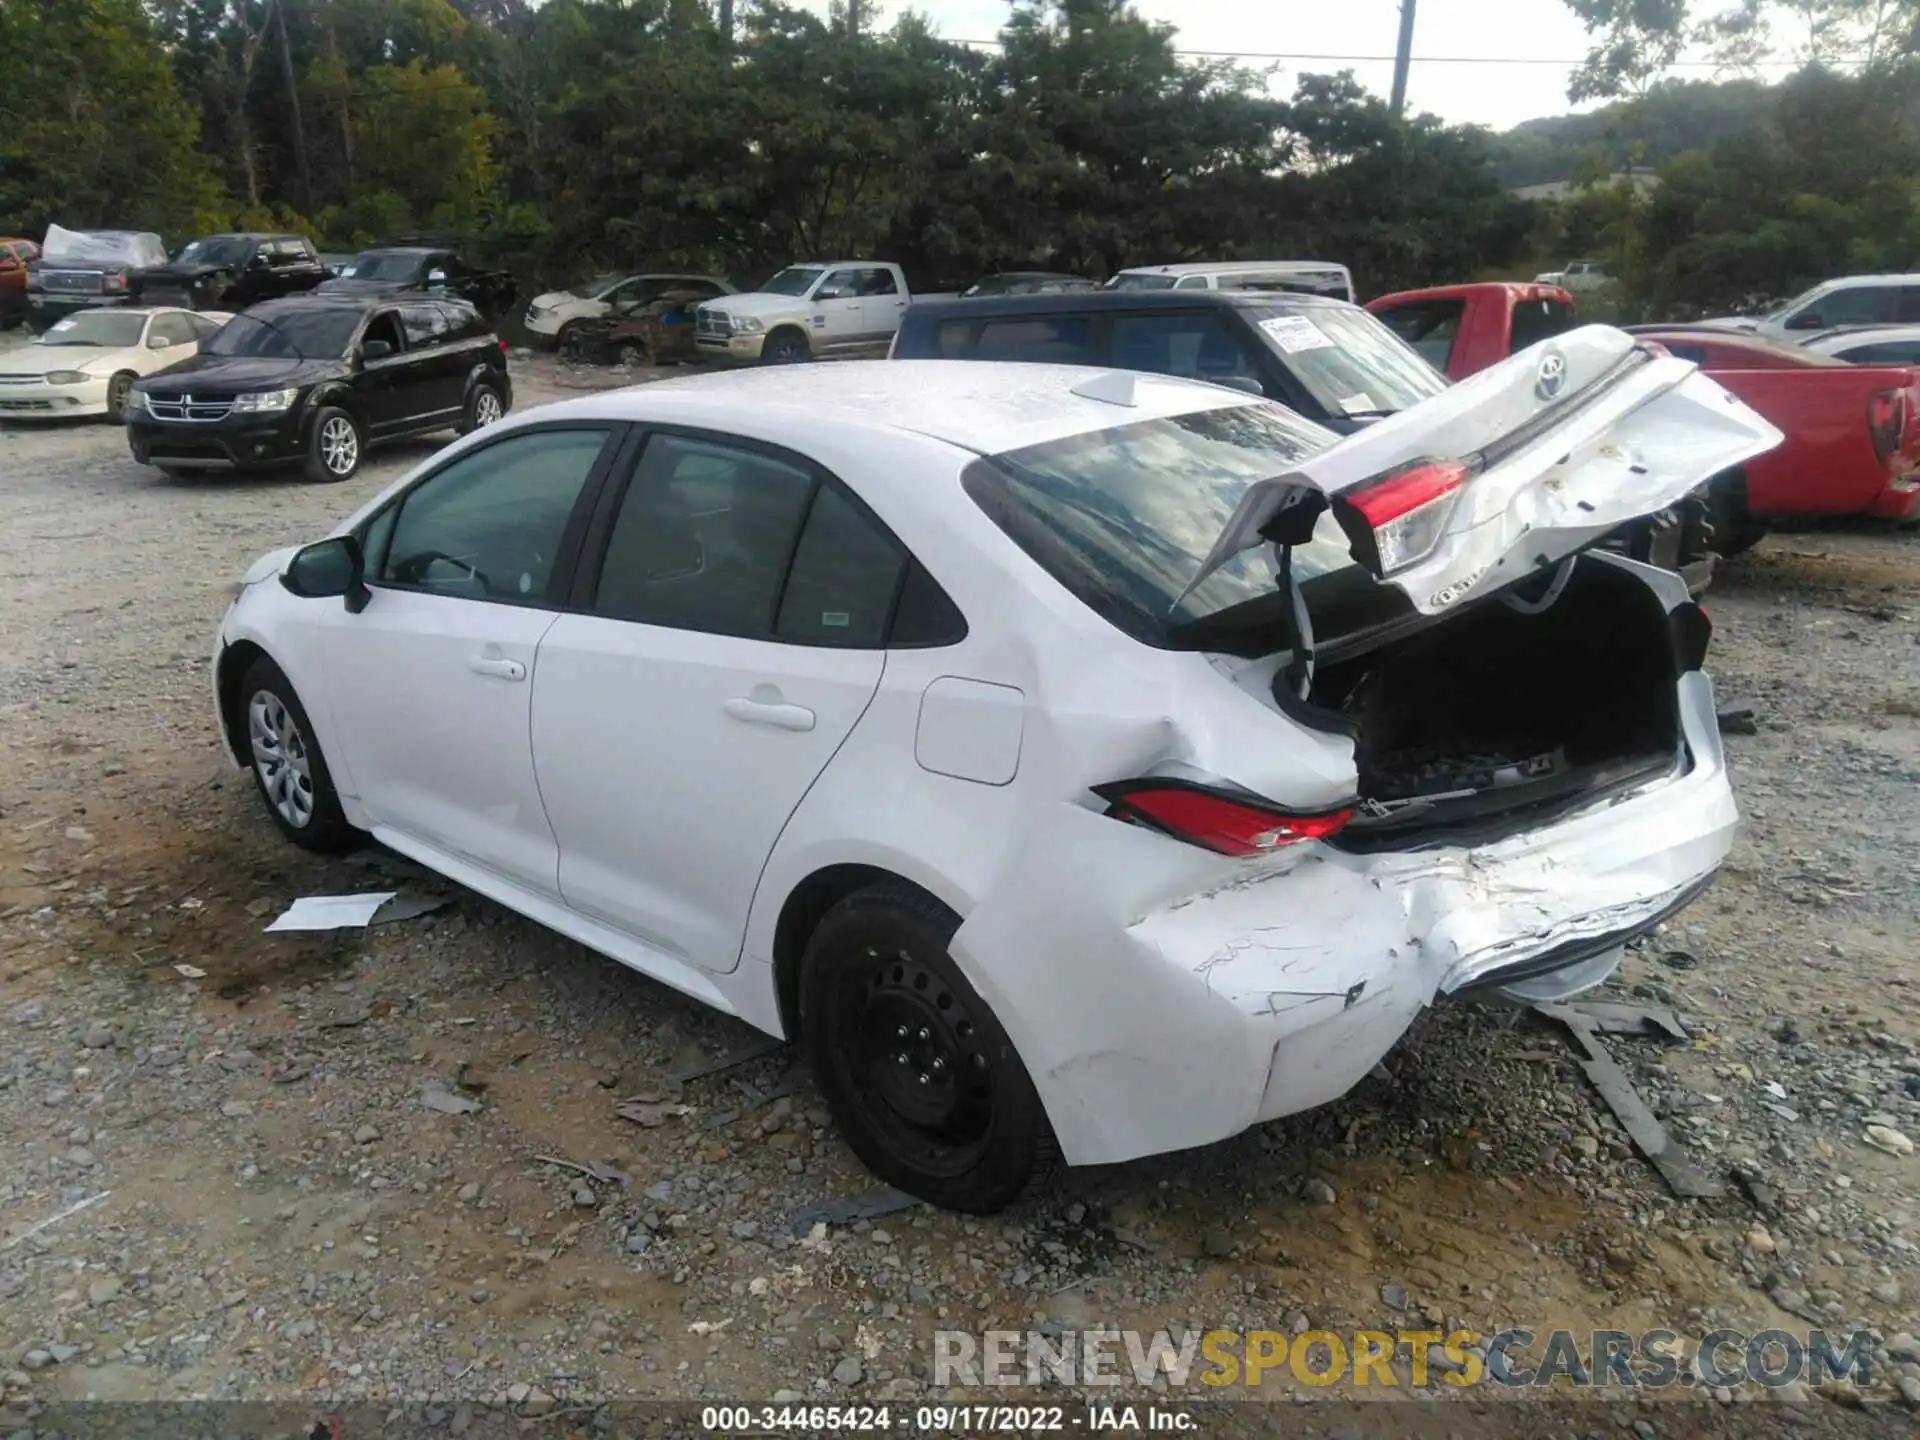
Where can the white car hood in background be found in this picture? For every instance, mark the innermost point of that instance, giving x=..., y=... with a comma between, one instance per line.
x=43, y=359
x=756, y=302
x=1634, y=433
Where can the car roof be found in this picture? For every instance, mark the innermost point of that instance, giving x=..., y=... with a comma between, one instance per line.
x=1098, y=301
x=403, y=250
x=1209, y=267
x=1907, y=279
x=987, y=407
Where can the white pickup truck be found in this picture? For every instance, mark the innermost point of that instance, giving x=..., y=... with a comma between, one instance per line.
x=806, y=312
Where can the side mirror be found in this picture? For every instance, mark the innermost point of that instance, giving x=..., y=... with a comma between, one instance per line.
x=830, y=292
x=375, y=350
x=436, y=277
x=329, y=567
x=1806, y=320
x=158, y=342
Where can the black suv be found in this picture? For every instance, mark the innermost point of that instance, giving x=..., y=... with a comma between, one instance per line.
x=316, y=379
x=1326, y=359
x=228, y=272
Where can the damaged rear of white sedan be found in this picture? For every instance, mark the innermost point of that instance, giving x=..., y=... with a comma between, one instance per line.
x=1088, y=765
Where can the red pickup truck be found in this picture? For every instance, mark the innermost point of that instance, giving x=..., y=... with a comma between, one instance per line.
x=1852, y=432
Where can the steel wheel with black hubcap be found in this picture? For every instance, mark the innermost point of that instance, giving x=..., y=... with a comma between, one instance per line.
x=918, y=1072
x=785, y=347
x=333, y=453
x=288, y=768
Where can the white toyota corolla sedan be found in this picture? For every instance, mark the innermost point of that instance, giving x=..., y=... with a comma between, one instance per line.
x=87, y=363
x=1076, y=763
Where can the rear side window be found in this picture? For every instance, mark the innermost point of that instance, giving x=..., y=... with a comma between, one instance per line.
x=1061, y=339
x=1429, y=326
x=954, y=340
x=1887, y=352
x=877, y=280
x=1908, y=309
x=1537, y=320
x=425, y=325
x=845, y=575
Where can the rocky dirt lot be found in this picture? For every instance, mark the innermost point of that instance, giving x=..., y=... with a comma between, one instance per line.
x=282, y=1206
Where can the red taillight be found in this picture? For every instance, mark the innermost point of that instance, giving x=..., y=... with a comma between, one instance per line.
x=1887, y=422
x=503, y=347
x=1219, y=822
x=1403, y=513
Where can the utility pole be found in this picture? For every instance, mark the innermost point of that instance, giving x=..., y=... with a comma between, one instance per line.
x=853, y=18
x=1403, y=56
x=726, y=26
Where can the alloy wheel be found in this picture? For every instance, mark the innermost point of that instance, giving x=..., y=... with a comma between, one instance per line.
x=339, y=445
x=486, y=409
x=280, y=758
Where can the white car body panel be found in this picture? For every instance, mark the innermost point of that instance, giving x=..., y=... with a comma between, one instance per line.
x=26, y=395
x=1161, y=995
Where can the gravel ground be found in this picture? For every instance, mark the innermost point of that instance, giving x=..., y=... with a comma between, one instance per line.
x=291, y=1212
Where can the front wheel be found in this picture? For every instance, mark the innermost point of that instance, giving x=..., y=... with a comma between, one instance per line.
x=118, y=388
x=484, y=408
x=785, y=347
x=288, y=768
x=918, y=1072
x=333, y=452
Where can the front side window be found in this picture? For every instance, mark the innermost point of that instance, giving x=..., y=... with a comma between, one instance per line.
x=1850, y=305
x=1192, y=282
x=1195, y=347
x=703, y=538
x=1124, y=518
x=490, y=525
x=840, y=285
x=1056, y=339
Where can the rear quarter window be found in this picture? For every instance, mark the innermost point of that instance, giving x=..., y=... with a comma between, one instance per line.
x=1059, y=339
x=1537, y=320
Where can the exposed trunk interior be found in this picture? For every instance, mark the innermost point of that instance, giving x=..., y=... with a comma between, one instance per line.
x=1476, y=724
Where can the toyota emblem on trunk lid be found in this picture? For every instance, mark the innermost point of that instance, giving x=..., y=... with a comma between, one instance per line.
x=1552, y=378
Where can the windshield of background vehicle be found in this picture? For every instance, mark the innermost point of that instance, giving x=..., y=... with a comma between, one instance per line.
x=290, y=335
x=118, y=248
x=1141, y=282
x=217, y=250
x=1350, y=362
x=378, y=265
x=794, y=280
x=103, y=328
x=596, y=287
x=1124, y=517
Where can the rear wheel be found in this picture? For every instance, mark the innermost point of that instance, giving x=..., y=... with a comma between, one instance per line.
x=484, y=408
x=335, y=446
x=785, y=347
x=118, y=388
x=1735, y=531
x=288, y=769
x=918, y=1072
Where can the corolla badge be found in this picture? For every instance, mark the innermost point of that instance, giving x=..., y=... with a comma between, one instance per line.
x=1552, y=377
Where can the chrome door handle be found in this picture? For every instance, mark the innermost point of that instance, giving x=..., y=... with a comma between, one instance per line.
x=760, y=712
x=498, y=668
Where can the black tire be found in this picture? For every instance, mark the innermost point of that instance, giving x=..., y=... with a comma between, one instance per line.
x=951, y=1116
x=786, y=347
x=288, y=769
x=1735, y=531
x=563, y=338
x=118, y=388
x=329, y=462
x=485, y=406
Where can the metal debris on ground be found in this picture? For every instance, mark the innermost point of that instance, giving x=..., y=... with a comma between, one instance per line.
x=868, y=1205
x=1683, y=1177
x=593, y=1170
x=73, y=1209
x=436, y=1095
x=650, y=1111
x=726, y=1061
x=1738, y=719
x=409, y=905
x=1611, y=1017
x=192, y=972
x=331, y=912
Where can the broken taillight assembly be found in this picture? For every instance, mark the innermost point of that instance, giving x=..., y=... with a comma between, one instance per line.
x=1397, y=519
x=1217, y=820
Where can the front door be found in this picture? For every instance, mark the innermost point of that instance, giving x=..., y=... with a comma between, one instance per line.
x=386, y=384
x=736, y=637
x=838, y=311
x=430, y=686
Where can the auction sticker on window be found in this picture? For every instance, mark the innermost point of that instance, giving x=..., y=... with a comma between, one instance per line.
x=1294, y=333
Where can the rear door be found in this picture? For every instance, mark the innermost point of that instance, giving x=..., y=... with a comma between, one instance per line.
x=734, y=636
x=1513, y=469
x=437, y=361
x=882, y=303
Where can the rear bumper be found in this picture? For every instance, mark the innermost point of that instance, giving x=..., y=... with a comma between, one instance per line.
x=236, y=443
x=1899, y=501
x=1159, y=1008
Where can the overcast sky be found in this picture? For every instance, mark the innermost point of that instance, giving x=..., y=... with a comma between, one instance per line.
x=1499, y=95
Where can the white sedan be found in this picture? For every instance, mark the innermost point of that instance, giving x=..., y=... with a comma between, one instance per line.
x=87, y=363
x=1077, y=764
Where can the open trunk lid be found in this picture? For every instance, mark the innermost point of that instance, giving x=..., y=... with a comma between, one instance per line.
x=1509, y=471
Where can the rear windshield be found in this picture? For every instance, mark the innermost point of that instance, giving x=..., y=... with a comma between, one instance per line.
x=1352, y=364
x=215, y=250
x=382, y=265
x=1124, y=517
x=1537, y=320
